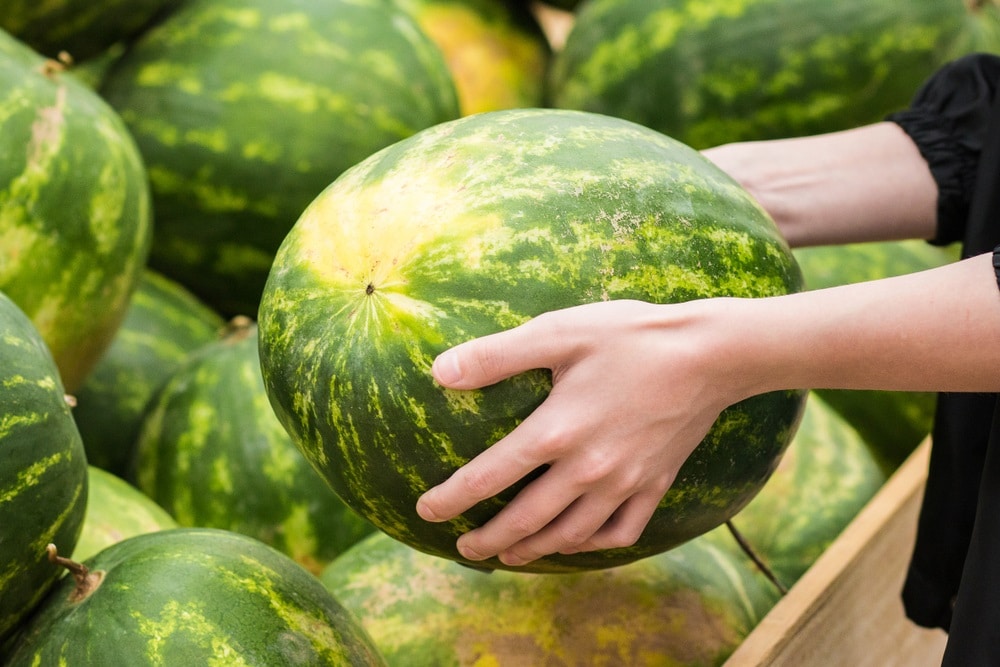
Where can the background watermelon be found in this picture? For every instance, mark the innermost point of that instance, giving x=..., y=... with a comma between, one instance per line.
x=164, y=323
x=81, y=28
x=75, y=219
x=43, y=469
x=212, y=453
x=496, y=51
x=689, y=606
x=116, y=510
x=709, y=73
x=474, y=226
x=822, y=482
x=193, y=597
x=245, y=109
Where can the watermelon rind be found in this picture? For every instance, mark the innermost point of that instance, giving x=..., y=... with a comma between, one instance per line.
x=475, y=226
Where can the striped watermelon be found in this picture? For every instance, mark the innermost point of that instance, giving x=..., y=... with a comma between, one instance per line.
x=192, y=597
x=690, y=606
x=116, y=510
x=824, y=479
x=75, y=221
x=164, y=323
x=477, y=225
x=708, y=73
x=81, y=28
x=497, y=53
x=43, y=469
x=212, y=453
x=245, y=109
x=892, y=423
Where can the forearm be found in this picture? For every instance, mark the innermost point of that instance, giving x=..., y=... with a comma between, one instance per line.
x=936, y=330
x=864, y=184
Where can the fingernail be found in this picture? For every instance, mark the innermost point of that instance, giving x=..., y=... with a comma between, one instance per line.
x=425, y=512
x=446, y=368
x=469, y=553
x=511, y=559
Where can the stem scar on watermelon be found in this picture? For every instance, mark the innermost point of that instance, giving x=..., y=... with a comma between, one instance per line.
x=474, y=226
x=86, y=581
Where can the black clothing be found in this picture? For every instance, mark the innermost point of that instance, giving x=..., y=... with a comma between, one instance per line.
x=954, y=577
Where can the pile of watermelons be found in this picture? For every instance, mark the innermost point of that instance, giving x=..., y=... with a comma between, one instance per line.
x=234, y=234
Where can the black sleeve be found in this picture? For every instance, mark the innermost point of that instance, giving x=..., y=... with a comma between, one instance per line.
x=947, y=119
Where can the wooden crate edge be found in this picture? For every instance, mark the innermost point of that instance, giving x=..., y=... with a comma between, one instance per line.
x=846, y=609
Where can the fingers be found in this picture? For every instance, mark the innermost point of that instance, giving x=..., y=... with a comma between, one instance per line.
x=490, y=359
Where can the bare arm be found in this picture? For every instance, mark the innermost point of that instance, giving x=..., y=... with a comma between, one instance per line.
x=657, y=376
x=863, y=184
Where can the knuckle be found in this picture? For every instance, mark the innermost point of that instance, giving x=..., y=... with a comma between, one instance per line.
x=478, y=482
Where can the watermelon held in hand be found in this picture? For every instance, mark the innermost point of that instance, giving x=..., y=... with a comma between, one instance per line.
x=477, y=225
x=191, y=597
x=43, y=468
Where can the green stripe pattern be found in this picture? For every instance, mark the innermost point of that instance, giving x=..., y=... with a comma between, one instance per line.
x=245, y=109
x=164, y=323
x=81, y=28
x=824, y=479
x=690, y=606
x=75, y=218
x=194, y=597
x=478, y=225
x=212, y=453
x=709, y=72
x=43, y=469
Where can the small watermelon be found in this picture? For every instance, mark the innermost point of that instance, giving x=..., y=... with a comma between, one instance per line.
x=690, y=606
x=116, y=510
x=43, y=468
x=477, y=225
x=709, y=73
x=212, y=453
x=75, y=217
x=245, y=109
x=164, y=323
x=191, y=597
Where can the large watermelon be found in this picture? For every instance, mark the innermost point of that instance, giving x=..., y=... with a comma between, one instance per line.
x=164, y=323
x=245, y=109
x=81, y=28
x=75, y=220
x=43, y=469
x=690, y=606
x=496, y=51
x=212, y=453
x=477, y=225
x=892, y=423
x=116, y=510
x=824, y=479
x=711, y=72
x=191, y=597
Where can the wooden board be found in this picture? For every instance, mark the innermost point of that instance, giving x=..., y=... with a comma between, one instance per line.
x=846, y=610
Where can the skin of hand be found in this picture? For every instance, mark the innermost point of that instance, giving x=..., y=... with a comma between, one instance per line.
x=636, y=386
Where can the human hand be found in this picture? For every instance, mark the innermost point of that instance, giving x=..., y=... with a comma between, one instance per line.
x=635, y=390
